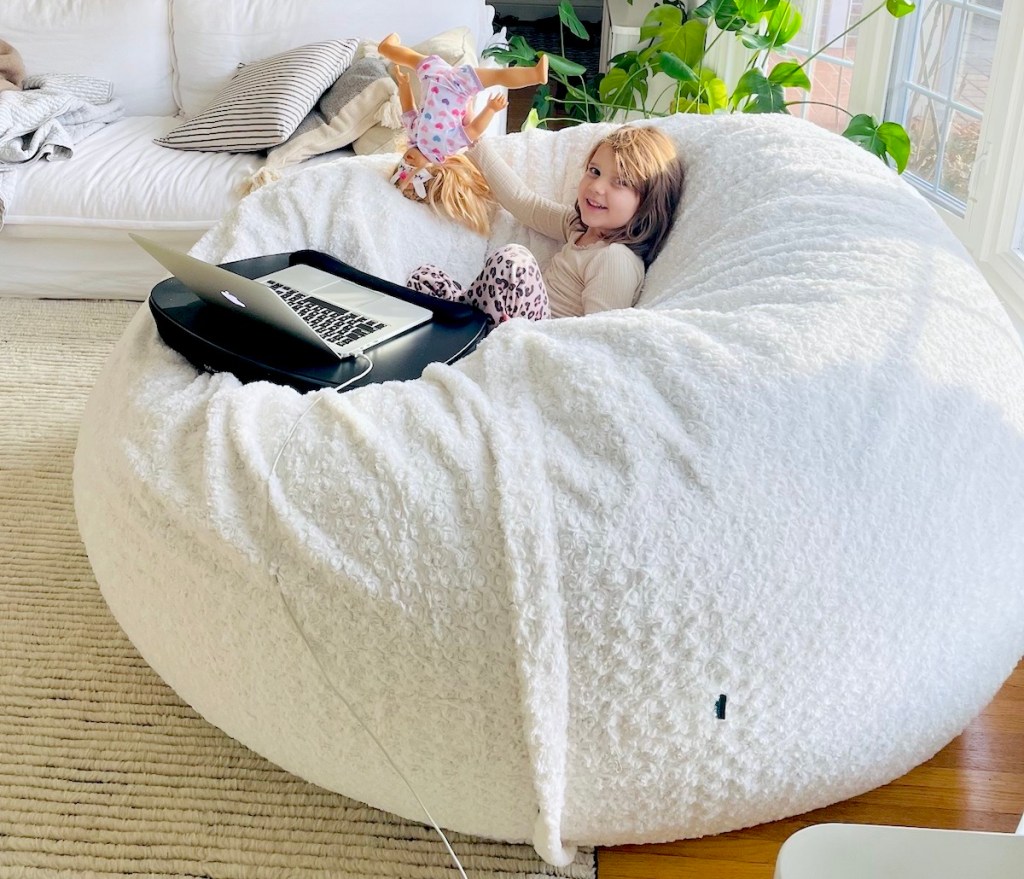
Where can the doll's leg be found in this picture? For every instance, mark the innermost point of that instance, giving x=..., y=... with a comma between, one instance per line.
x=392, y=49
x=435, y=282
x=514, y=77
x=510, y=285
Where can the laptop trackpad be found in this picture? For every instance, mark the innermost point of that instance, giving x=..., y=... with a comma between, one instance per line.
x=349, y=295
x=306, y=279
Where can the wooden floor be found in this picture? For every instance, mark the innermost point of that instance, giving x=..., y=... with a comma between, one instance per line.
x=974, y=783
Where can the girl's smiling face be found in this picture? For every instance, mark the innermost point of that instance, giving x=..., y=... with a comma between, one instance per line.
x=606, y=202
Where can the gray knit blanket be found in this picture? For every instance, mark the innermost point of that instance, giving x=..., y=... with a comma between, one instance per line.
x=46, y=118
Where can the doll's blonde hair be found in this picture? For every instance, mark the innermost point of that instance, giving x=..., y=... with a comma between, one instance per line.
x=456, y=189
x=646, y=161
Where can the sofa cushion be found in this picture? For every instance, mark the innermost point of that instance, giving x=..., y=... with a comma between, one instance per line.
x=118, y=178
x=119, y=175
x=266, y=100
x=212, y=39
x=67, y=230
x=126, y=43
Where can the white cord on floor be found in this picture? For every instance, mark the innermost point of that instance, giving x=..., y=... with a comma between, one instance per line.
x=316, y=657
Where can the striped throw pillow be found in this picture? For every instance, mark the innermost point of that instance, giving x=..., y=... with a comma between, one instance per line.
x=265, y=101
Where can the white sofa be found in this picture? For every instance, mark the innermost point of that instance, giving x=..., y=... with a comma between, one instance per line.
x=65, y=232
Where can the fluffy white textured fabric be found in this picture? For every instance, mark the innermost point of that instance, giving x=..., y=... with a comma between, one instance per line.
x=794, y=475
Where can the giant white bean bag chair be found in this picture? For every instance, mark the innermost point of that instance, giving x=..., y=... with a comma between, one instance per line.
x=793, y=475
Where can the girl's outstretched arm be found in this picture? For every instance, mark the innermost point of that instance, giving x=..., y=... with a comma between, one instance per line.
x=541, y=214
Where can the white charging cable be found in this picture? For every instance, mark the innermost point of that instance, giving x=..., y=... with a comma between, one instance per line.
x=313, y=652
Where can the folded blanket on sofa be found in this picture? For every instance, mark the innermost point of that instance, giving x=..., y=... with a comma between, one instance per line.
x=46, y=119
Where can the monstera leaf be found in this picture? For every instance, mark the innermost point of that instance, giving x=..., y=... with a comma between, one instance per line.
x=888, y=139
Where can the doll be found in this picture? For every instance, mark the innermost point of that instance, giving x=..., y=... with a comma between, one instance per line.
x=432, y=168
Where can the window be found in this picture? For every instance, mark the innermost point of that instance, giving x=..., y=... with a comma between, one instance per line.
x=952, y=73
x=831, y=73
x=941, y=84
x=958, y=87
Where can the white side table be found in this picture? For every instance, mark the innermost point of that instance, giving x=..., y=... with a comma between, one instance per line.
x=864, y=851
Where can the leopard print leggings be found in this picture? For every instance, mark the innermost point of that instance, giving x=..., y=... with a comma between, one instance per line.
x=510, y=285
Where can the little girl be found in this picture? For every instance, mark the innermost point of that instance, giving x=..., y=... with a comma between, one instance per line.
x=625, y=204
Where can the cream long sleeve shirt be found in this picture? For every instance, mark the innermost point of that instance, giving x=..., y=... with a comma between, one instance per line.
x=580, y=279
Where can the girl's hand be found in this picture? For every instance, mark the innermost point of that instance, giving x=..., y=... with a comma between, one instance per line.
x=497, y=103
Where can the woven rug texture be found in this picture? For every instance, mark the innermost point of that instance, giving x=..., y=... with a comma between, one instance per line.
x=104, y=771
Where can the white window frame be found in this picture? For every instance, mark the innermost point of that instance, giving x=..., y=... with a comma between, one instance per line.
x=992, y=222
x=876, y=41
x=990, y=226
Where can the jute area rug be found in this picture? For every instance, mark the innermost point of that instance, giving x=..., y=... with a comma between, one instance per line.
x=104, y=771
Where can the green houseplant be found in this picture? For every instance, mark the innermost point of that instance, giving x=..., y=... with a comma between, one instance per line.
x=677, y=43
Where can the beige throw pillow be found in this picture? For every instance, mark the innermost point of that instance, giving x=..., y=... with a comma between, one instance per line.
x=381, y=139
x=364, y=95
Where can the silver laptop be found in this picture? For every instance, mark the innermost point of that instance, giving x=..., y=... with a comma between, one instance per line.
x=334, y=314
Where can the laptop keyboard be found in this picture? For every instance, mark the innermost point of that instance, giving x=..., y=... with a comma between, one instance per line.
x=337, y=325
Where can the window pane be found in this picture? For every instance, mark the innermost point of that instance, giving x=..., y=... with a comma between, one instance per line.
x=937, y=47
x=800, y=43
x=940, y=86
x=844, y=48
x=835, y=17
x=831, y=86
x=958, y=158
x=976, y=61
x=830, y=72
x=926, y=125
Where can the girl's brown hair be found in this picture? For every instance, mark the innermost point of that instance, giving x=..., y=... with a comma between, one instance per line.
x=646, y=161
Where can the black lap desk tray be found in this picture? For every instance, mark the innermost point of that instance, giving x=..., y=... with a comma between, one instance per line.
x=218, y=340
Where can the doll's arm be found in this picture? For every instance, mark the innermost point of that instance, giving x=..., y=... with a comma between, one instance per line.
x=405, y=95
x=478, y=125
